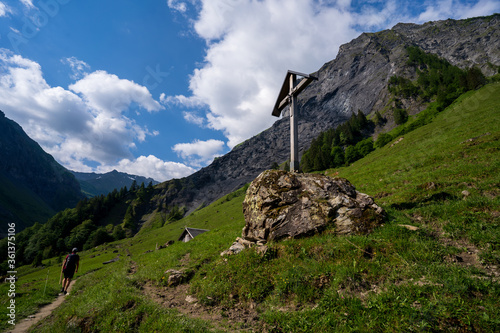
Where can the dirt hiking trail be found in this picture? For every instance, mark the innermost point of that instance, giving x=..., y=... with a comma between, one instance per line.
x=26, y=323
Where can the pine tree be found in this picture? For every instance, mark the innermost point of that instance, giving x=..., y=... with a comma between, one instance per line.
x=475, y=78
x=362, y=119
x=133, y=187
x=400, y=116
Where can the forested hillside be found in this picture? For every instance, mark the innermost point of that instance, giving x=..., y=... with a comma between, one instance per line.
x=33, y=185
x=92, y=222
x=438, y=83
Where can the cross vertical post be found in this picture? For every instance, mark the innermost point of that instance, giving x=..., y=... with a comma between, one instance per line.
x=288, y=96
x=294, y=140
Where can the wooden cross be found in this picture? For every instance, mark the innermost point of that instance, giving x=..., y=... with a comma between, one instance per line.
x=288, y=95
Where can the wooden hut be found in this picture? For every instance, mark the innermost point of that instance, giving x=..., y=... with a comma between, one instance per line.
x=190, y=233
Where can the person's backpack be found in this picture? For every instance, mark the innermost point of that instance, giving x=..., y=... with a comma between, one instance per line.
x=71, y=261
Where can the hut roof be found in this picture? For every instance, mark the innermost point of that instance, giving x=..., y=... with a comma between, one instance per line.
x=193, y=232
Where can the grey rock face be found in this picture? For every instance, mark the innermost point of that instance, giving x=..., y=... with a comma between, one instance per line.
x=464, y=43
x=356, y=80
x=281, y=204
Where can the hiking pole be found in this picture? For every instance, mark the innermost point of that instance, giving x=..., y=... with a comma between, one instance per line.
x=47, y=279
x=60, y=277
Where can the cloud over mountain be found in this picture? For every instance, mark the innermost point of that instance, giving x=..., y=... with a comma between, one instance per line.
x=200, y=152
x=82, y=124
x=251, y=45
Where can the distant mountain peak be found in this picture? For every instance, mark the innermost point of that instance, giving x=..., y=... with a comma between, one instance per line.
x=93, y=184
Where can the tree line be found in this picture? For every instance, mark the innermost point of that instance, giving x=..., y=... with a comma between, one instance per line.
x=92, y=222
x=437, y=81
x=339, y=146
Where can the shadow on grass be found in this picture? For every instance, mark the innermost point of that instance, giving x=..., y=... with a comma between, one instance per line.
x=434, y=198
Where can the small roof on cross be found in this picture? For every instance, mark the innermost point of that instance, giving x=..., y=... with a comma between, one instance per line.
x=285, y=90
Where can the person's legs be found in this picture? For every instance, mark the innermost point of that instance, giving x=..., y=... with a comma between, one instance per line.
x=67, y=280
x=66, y=283
x=63, y=284
x=63, y=287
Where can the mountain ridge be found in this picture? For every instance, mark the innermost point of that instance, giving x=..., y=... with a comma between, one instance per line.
x=34, y=185
x=361, y=68
x=93, y=184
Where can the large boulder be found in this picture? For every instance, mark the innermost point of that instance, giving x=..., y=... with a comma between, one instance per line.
x=280, y=204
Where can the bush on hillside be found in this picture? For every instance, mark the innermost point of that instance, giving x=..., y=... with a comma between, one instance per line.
x=400, y=116
x=383, y=139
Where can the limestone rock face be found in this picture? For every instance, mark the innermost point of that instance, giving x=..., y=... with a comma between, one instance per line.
x=280, y=204
x=357, y=79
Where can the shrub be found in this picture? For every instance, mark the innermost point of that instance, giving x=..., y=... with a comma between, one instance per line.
x=383, y=139
x=365, y=147
x=352, y=154
x=400, y=116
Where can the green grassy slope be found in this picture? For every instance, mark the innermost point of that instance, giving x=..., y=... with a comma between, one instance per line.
x=23, y=204
x=442, y=178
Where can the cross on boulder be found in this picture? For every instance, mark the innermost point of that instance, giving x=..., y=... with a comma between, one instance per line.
x=288, y=95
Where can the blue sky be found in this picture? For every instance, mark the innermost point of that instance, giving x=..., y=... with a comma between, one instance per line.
x=160, y=88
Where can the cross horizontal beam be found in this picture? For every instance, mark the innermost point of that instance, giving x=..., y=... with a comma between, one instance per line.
x=283, y=97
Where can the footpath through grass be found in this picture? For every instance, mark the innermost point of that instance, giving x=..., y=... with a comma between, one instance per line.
x=441, y=275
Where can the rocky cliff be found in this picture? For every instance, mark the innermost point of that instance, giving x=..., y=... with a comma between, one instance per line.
x=356, y=80
x=34, y=186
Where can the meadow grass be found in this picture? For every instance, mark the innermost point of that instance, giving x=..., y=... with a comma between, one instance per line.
x=101, y=283
x=108, y=300
x=441, y=178
x=38, y=286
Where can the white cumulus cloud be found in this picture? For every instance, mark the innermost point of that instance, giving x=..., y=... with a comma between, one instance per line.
x=251, y=44
x=199, y=152
x=151, y=166
x=108, y=93
x=85, y=125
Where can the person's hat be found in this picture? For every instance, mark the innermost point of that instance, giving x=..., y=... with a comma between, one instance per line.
x=74, y=250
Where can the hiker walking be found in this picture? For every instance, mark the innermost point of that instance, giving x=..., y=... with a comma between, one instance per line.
x=69, y=267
